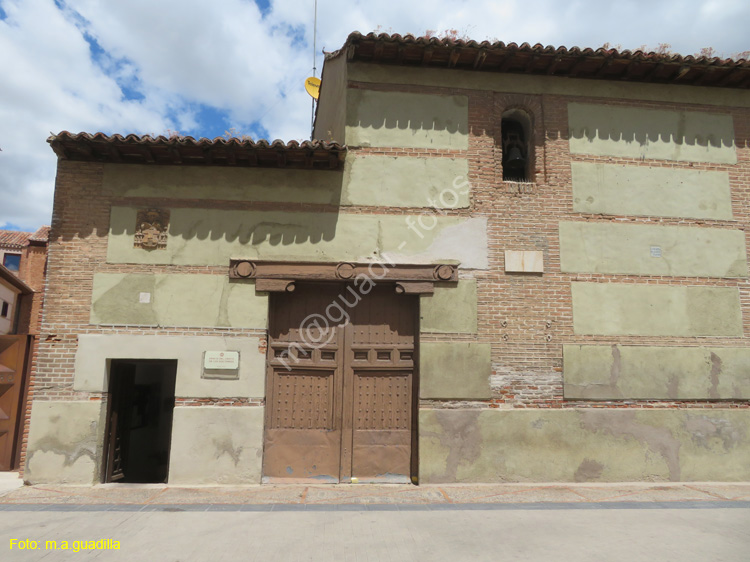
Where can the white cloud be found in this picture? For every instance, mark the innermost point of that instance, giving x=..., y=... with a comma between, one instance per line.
x=179, y=56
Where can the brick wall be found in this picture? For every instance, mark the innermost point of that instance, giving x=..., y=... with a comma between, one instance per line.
x=526, y=318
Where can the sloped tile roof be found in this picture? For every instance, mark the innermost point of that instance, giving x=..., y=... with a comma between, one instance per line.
x=13, y=239
x=41, y=235
x=607, y=64
x=99, y=147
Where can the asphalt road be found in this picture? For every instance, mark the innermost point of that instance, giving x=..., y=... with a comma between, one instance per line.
x=684, y=531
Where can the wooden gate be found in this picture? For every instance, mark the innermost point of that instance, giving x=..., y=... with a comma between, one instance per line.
x=13, y=351
x=340, y=394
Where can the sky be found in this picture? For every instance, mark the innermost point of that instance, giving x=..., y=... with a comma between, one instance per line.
x=204, y=68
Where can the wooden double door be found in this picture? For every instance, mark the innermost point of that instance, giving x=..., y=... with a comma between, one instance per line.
x=340, y=398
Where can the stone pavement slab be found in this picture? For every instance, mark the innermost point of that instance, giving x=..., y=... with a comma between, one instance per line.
x=375, y=494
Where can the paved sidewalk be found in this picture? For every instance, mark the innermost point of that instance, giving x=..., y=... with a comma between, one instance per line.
x=318, y=496
x=621, y=522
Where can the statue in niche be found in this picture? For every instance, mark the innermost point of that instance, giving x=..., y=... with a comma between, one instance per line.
x=151, y=229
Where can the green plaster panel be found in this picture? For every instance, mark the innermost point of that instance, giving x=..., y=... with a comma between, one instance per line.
x=549, y=85
x=177, y=300
x=390, y=181
x=605, y=130
x=223, y=183
x=579, y=445
x=595, y=247
x=398, y=119
x=212, y=237
x=454, y=370
x=65, y=442
x=603, y=372
x=613, y=189
x=450, y=309
x=655, y=310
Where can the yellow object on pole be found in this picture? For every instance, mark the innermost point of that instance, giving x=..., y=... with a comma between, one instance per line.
x=312, y=86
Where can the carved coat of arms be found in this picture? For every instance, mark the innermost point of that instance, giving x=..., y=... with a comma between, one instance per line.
x=151, y=229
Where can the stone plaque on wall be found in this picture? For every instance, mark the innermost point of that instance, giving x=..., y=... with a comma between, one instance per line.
x=221, y=365
x=151, y=227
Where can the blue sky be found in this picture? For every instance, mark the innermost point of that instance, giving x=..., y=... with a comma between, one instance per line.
x=203, y=68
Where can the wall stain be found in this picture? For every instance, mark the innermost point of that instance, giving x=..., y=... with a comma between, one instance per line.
x=624, y=424
x=588, y=470
x=703, y=429
x=713, y=391
x=460, y=435
x=673, y=387
x=224, y=446
x=614, y=372
x=71, y=452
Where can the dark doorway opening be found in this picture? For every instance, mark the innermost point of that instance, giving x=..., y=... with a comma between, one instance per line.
x=139, y=421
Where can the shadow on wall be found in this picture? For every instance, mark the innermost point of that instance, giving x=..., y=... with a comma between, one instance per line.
x=649, y=134
x=644, y=127
x=261, y=224
x=404, y=112
x=243, y=227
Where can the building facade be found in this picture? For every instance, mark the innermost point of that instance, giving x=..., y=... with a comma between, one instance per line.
x=23, y=256
x=494, y=263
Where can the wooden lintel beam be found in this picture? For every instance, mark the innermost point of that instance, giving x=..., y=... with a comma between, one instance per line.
x=708, y=73
x=505, y=65
x=531, y=64
x=630, y=70
x=453, y=58
x=231, y=157
x=427, y=56
x=479, y=59
x=378, y=51
x=333, y=161
x=115, y=154
x=176, y=157
x=602, y=70
x=578, y=66
x=281, y=159
x=683, y=71
x=148, y=155
x=59, y=149
x=553, y=65
x=85, y=148
x=400, y=54
x=654, y=71
x=252, y=158
x=729, y=76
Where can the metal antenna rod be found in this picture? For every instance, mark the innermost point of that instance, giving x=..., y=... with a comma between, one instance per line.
x=315, y=49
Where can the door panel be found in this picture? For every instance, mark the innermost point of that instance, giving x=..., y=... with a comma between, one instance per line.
x=12, y=364
x=343, y=409
x=303, y=398
x=381, y=448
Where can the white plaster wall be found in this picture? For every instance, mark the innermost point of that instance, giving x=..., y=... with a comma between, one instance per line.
x=216, y=445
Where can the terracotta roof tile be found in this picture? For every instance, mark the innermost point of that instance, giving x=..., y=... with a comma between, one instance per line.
x=14, y=239
x=99, y=147
x=637, y=66
x=41, y=235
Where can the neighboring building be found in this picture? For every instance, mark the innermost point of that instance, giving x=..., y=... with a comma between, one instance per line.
x=24, y=256
x=517, y=264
